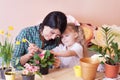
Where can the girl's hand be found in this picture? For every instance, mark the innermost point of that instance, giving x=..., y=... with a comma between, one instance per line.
x=52, y=52
x=57, y=63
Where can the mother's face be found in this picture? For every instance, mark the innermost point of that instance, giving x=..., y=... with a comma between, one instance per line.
x=50, y=33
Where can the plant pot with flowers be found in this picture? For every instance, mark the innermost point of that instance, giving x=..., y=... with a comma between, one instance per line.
x=29, y=71
x=6, y=50
x=110, y=51
x=44, y=60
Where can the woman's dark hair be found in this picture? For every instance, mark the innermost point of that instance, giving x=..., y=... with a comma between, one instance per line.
x=55, y=20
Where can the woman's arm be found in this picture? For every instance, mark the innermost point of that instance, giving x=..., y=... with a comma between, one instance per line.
x=25, y=58
x=32, y=49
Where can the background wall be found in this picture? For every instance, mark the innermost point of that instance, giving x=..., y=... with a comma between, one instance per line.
x=23, y=13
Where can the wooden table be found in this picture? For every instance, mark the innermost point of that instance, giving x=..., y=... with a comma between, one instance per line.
x=61, y=74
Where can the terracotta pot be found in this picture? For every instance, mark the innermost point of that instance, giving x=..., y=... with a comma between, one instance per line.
x=28, y=77
x=111, y=71
x=9, y=75
x=89, y=68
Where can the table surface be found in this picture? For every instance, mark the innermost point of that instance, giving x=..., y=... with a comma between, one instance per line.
x=61, y=74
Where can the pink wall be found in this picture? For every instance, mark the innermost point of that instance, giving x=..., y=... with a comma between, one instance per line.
x=22, y=13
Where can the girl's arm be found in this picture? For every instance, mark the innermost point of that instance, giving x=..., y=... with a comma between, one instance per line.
x=75, y=50
x=66, y=53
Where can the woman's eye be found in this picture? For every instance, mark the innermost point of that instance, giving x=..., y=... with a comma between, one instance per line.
x=56, y=35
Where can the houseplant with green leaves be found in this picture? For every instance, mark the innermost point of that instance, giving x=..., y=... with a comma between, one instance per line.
x=44, y=60
x=110, y=48
x=6, y=48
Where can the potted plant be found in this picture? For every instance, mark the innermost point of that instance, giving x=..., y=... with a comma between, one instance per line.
x=29, y=71
x=110, y=48
x=6, y=50
x=44, y=60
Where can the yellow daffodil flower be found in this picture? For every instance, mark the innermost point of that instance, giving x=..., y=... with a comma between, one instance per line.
x=17, y=42
x=23, y=40
x=8, y=34
x=1, y=32
x=10, y=28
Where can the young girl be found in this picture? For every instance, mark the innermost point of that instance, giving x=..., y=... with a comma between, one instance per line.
x=73, y=46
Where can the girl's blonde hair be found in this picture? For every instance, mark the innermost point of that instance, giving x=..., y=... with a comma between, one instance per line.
x=80, y=38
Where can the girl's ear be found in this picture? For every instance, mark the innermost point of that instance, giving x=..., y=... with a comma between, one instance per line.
x=76, y=35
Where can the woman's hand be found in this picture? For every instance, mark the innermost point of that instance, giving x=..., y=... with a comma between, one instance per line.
x=32, y=49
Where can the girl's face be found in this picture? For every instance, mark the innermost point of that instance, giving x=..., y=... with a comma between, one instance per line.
x=69, y=37
x=49, y=33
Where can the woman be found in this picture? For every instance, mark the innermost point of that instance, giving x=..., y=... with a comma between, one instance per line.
x=45, y=36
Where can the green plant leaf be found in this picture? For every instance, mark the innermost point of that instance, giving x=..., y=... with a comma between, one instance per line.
x=38, y=73
x=20, y=68
x=36, y=57
x=44, y=65
x=17, y=61
x=47, y=54
x=94, y=48
x=50, y=63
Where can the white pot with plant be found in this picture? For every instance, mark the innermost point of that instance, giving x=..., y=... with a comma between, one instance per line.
x=6, y=50
x=109, y=38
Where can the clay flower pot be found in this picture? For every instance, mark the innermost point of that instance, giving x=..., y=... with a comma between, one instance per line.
x=111, y=71
x=89, y=68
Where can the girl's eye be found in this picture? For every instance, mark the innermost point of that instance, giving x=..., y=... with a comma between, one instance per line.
x=52, y=32
x=66, y=35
